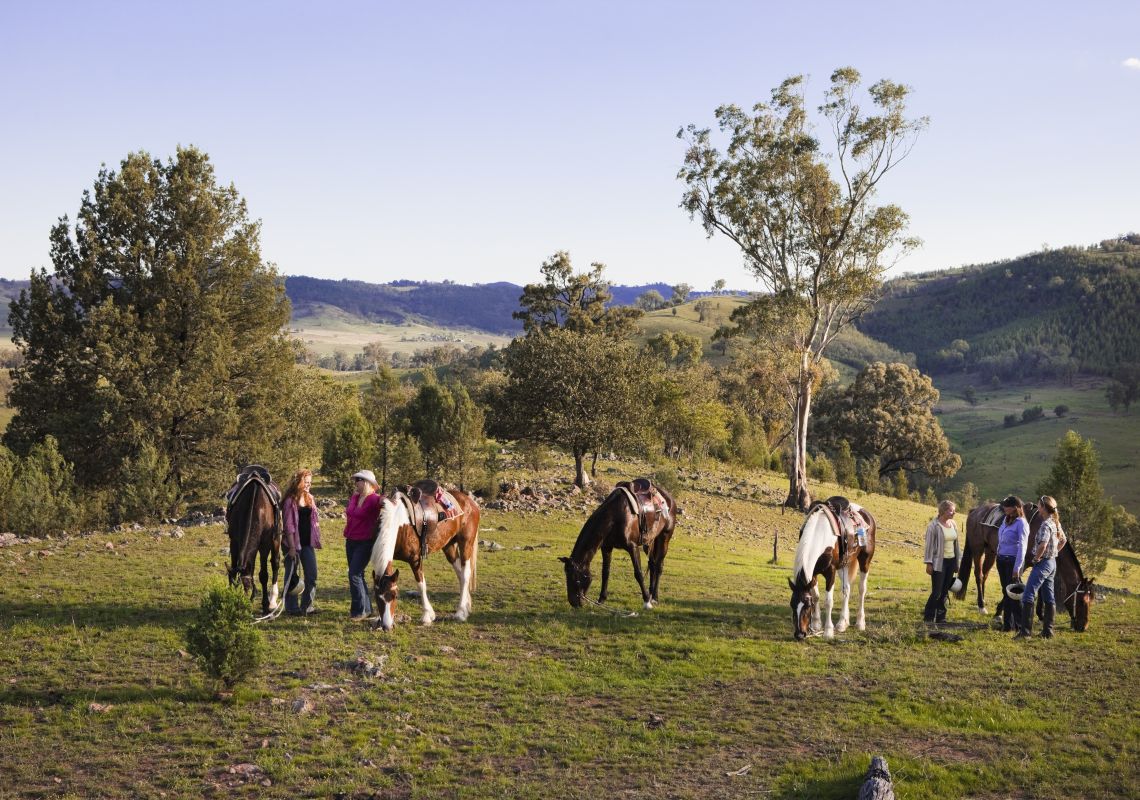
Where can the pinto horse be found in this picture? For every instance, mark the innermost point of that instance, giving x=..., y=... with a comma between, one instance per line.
x=616, y=524
x=251, y=523
x=457, y=537
x=818, y=553
x=980, y=553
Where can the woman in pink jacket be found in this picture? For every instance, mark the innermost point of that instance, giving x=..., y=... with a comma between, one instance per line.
x=302, y=540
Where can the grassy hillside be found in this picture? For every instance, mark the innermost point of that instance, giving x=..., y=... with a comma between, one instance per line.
x=705, y=696
x=326, y=329
x=1001, y=460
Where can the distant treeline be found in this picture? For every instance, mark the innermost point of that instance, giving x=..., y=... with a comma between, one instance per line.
x=1056, y=312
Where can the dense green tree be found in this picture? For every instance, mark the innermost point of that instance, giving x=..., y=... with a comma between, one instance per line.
x=681, y=293
x=650, y=300
x=845, y=470
x=575, y=301
x=579, y=391
x=1086, y=515
x=160, y=324
x=675, y=349
x=465, y=447
x=349, y=448
x=688, y=416
x=407, y=461
x=886, y=415
x=383, y=403
x=813, y=238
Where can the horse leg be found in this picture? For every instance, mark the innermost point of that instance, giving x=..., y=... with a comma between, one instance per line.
x=829, y=628
x=267, y=604
x=607, y=556
x=987, y=565
x=816, y=621
x=635, y=556
x=656, y=566
x=429, y=613
x=861, y=620
x=274, y=559
x=845, y=588
x=462, y=569
x=981, y=581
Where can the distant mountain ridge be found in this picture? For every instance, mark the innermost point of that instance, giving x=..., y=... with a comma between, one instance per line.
x=482, y=306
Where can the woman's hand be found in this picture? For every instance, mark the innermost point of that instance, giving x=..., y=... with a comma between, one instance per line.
x=929, y=568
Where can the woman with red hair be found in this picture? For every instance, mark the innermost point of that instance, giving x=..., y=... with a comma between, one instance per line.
x=302, y=540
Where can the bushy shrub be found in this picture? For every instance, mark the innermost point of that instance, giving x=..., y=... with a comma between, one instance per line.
x=222, y=638
x=846, y=471
x=1032, y=413
x=534, y=455
x=820, y=468
x=349, y=447
x=40, y=496
x=868, y=472
x=1010, y=420
x=1060, y=410
x=666, y=477
x=144, y=491
x=406, y=462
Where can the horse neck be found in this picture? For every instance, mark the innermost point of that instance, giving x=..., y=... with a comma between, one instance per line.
x=815, y=539
x=593, y=532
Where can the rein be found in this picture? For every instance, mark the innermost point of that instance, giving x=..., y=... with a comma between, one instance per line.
x=617, y=612
x=275, y=613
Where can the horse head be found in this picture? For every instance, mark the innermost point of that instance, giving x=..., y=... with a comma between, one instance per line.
x=1082, y=602
x=803, y=604
x=577, y=581
x=386, y=591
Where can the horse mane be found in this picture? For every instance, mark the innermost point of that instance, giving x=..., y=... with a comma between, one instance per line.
x=809, y=548
x=392, y=516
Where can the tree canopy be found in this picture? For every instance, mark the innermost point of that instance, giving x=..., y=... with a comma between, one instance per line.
x=1086, y=515
x=161, y=324
x=574, y=301
x=803, y=216
x=886, y=415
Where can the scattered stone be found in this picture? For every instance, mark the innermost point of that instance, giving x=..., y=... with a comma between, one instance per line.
x=303, y=705
x=446, y=649
x=501, y=528
x=655, y=721
x=7, y=539
x=99, y=708
x=177, y=533
x=245, y=770
x=365, y=667
x=183, y=654
x=490, y=545
x=110, y=545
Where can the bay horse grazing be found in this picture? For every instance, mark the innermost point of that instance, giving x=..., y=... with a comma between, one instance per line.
x=397, y=538
x=252, y=523
x=827, y=546
x=624, y=521
x=978, y=557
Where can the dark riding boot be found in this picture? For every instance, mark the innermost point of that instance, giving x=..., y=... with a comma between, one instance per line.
x=1026, y=629
x=1047, y=621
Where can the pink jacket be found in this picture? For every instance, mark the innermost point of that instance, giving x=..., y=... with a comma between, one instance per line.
x=291, y=513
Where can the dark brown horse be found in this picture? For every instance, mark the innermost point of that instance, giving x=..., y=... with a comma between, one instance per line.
x=397, y=538
x=616, y=524
x=1070, y=585
x=252, y=525
x=818, y=553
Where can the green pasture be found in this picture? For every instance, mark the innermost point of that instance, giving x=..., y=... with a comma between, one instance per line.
x=531, y=698
x=1001, y=460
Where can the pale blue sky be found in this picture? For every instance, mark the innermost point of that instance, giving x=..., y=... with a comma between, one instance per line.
x=471, y=140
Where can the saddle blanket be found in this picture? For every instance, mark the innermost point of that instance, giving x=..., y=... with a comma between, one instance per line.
x=994, y=517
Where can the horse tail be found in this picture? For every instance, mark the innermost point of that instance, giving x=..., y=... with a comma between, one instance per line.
x=475, y=564
x=964, y=570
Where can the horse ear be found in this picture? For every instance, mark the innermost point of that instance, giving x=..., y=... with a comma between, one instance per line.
x=564, y=559
x=395, y=576
x=791, y=585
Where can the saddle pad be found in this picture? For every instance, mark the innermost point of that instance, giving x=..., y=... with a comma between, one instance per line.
x=994, y=517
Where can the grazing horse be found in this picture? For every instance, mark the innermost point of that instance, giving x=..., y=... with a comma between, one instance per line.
x=252, y=525
x=981, y=552
x=819, y=553
x=457, y=537
x=618, y=523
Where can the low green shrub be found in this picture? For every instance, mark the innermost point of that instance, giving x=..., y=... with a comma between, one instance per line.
x=222, y=639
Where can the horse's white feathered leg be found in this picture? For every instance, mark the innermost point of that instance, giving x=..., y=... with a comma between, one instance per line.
x=463, y=573
x=273, y=597
x=845, y=614
x=816, y=622
x=829, y=628
x=861, y=620
x=429, y=613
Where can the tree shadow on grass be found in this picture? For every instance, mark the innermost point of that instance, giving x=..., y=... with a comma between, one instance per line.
x=106, y=695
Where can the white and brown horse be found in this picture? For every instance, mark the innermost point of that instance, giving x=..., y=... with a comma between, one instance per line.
x=823, y=551
x=397, y=538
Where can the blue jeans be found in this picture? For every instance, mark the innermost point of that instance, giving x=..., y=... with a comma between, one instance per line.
x=359, y=554
x=1041, y=578
x=308, y=567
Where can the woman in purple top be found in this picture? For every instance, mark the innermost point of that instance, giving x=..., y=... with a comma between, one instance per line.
x=302, y=540
x=360, y=519
x=1013, y=537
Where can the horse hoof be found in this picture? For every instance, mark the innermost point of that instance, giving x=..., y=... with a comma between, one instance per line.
x=461, y=616
x=861, y=625
x=841, y=627
x=829, y=634
x=983, y=610
x=648, y=605
x=427, y=619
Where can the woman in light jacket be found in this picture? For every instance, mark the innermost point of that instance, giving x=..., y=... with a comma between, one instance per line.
x=302, y=540
x=941, y=557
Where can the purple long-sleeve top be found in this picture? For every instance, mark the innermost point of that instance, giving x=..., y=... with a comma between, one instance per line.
x=1013, y=538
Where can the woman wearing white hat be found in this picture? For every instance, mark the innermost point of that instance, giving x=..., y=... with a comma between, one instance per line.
x=360, y=518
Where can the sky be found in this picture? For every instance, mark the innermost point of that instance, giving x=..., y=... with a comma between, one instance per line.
x=470, y=141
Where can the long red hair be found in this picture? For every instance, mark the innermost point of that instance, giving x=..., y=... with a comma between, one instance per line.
x=294, y=489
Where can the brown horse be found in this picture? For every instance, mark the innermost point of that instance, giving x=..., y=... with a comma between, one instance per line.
x=980, y=553
x=616, y=523
x=252, y=525
x=818, y=553
x=397, y=538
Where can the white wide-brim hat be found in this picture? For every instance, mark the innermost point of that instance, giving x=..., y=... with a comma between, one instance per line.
x=956, y=586
x=367, y=475
x=298, y=587
x=1015, y=591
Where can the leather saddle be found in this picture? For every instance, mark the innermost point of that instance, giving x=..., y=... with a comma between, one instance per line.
x=258, y=473
x=849, y=522
x=646, y=502
x=428, y=505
